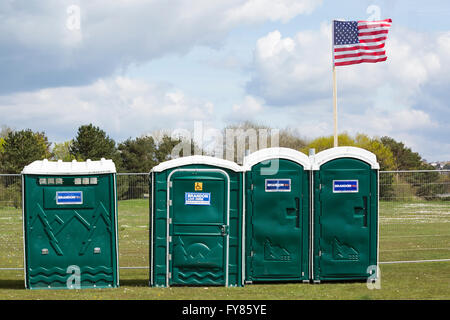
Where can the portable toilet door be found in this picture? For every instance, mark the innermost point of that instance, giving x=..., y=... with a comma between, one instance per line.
x=70, y=224
x=345, y=214
x=277, y=215
x=196, y=225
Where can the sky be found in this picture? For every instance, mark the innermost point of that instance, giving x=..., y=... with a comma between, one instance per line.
x=133, y=67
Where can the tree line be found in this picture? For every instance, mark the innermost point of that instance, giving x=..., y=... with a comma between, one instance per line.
x=19, y=148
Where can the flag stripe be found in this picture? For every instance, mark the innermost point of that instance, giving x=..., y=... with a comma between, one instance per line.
x=349, y=51
x=373, y=22
x=360, y=54
x=349, y=48
x=372, y=39
x=374, y=26
x=353, y=61
x=373, y=33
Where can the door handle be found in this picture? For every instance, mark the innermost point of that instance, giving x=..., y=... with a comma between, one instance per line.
x=365, y=211
x=297, y=211
x=361, y=212
x=294, y=213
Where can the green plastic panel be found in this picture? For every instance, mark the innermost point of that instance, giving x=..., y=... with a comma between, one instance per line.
x=70, y=244
x=345, y=220
x=205, y=227
x=277, y=222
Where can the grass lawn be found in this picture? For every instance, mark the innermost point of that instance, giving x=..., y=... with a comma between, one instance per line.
x=408, y=231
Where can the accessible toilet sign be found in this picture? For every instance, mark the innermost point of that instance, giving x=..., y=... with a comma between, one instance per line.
x=197, y=198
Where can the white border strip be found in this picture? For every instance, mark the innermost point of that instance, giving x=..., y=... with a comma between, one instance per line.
x=244, y=205
x=276, y=153
x=311, y=222
x=197, y=159
x=378, y=220
x=151, y=224
x=116, y=218
x=413, y=261
x=344, y=152
x=23, y=230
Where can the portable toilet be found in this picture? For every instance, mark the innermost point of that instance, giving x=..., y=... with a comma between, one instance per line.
x=345, y=223
x=70, y=224
x=277, y=215
x=196, y=222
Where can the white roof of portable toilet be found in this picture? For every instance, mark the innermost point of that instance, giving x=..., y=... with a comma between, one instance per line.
x=70, y=168
x=276, y=153
x=345, y=152
x=197, y=159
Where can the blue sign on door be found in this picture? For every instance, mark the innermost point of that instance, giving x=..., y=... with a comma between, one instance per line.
x=278, y=185
x=197, y=198
x=340, y=186
x=69, y=197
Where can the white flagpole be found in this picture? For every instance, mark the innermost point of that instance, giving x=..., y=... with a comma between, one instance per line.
x=334, y=88
x=335, y=107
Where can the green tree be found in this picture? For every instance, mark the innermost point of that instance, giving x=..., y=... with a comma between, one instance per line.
x=165, y=147
x=323, y=143
x=289, y=139
x=425, y=184
x=23, y=147
x=92, y=143
x=4, y=131
x=141, y=155
x=384, y=155
x=2, y=142
x=138, y=155
x=404, y=157
x=61, y=151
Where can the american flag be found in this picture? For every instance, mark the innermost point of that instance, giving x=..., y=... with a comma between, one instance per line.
x=359, y=41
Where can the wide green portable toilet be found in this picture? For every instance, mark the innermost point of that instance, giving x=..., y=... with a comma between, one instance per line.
x=196, y=222
x=70, y=224
x=277, y=215
x=345, y=224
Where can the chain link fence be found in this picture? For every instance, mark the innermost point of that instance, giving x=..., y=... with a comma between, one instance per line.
x=414, y=217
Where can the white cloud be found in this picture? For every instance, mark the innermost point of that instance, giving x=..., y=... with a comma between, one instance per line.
x=40, y=50
x=250, y=105
x=123, y=107
x=286, y=69
x=375, y=121
x=274, y=10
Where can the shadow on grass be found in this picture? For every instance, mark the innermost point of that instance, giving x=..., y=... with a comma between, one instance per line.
x=133, y=283
x=12, y=284
x=20, y=285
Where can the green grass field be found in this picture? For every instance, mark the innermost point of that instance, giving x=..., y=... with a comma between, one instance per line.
x=408, y=231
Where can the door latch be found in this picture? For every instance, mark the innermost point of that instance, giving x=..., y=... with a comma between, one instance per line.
x=224, y=230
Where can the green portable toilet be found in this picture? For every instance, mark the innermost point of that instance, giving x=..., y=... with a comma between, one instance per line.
x=70, y=224
x=345, y=224
x=277, y=215
x=196, y=222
